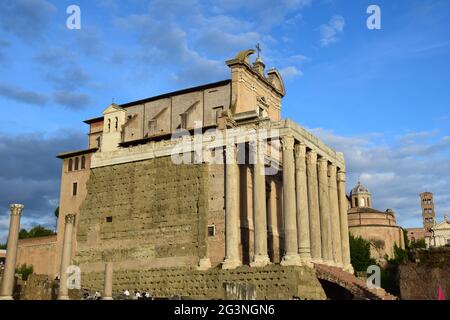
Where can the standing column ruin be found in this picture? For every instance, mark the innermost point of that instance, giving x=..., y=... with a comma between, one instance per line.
x=7, y=287
x=291, y=256
x=335, y=216
x=107, y=292
x=343, y=207
x=324, y=208
x=231, y=209
x=303, y=236
x=66, y=257
x=313, y=207
x=261, y=258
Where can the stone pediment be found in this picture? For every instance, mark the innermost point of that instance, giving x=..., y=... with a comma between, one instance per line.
x=444, y=225
x=112, y=108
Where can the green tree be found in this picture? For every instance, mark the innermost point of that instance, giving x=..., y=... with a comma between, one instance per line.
x=2, y=246
x=25, y=271
x=360, y=253
x=419, y=244
x=38, y=231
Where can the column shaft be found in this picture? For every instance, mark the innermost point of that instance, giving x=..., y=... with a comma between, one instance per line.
x=303, y=235
x=66, y=257
x=7, y=287
x=335, y=217
x=291, y=256
x=343, y=208
x=324, y=208
x=261, y=258
x=107, y=292
x=231, y=209
x=313, y=207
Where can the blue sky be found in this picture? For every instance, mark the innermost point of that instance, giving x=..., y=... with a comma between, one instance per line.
x=380, y=96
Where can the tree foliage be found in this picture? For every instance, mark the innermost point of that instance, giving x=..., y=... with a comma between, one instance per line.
x=38, y=231
x=25, y=271
x=418, y=244
x=2, y=246
x=360, y=253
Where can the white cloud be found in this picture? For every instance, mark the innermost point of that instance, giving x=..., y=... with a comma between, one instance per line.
x=290, y=72
x=329, y=32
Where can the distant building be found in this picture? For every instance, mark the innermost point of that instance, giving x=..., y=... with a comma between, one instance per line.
x=440, y=234
x=428, y=214
x=378, y=227
x=428, y=219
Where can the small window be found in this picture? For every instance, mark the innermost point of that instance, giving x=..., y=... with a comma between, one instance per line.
x=83, y=162
x=183, y=120
x=98, y=141
x=74, y=189
x=108, y=219
x=116, y=125
x=152, y=126
x=70, y=165
x=218, y=113
x=77, y=163
x=211, y=231
x=109, y=125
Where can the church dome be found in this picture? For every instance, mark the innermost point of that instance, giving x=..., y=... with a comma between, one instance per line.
x=359, y=189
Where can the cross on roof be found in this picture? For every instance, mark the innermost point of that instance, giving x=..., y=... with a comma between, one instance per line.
x=258, y=48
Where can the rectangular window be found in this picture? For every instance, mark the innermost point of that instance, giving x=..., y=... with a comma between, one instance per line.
x=77, y=161
x=83, y=162
x=74, y=189
x=152, y=126
x=108, y=219
x=218, y=113
x=211, y=231
x=70, y=164
x=183, y=120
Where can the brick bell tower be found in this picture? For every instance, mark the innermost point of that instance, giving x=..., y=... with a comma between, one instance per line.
x=428, y=214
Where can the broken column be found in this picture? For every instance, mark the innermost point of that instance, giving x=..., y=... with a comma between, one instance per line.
x=107, y=292
x=66, y=257
x=7, y=287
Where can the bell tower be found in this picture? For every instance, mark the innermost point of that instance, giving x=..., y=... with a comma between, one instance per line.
x=428, y=214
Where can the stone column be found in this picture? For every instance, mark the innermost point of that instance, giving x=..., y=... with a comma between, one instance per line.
x=324, y=208
x=261, y=258
x=301, y=188
x=273, y=221
x=107, y=292
x=291, y=256
x=231, y=209
x=335, y=217
x=66, y=257
x=343, y=208
x=313, y=207
x=9, y=273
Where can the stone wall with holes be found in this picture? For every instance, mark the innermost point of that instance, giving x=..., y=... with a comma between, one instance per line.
x=144, y=214
x=270, y=282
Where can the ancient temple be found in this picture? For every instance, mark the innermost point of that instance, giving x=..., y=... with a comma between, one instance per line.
x=207, y=186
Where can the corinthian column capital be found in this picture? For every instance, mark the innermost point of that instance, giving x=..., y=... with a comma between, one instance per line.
x=288, y=142
x=70, y=218
x=16, y=209
x=300, y=150
x=311, y=157
x=341, y=176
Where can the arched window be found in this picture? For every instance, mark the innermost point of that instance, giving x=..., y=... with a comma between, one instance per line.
x=116, y=126
x=70, y=164
x=363, y=202
x=83, y=162
x=109, y=125
x=77, y=162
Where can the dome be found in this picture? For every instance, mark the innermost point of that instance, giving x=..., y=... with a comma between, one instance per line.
x=359, y=189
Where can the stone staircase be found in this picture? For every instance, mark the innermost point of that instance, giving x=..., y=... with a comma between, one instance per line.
x=353, y=284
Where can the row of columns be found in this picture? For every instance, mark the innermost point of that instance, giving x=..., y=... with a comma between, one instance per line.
x=314, y=209
x=8, y=279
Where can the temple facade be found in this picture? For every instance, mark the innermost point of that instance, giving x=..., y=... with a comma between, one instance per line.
x=199, y=180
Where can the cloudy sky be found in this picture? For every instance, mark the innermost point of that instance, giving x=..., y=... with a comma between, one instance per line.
x=380, y=96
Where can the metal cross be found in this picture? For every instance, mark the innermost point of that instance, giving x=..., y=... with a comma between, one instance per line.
x=258, y=48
